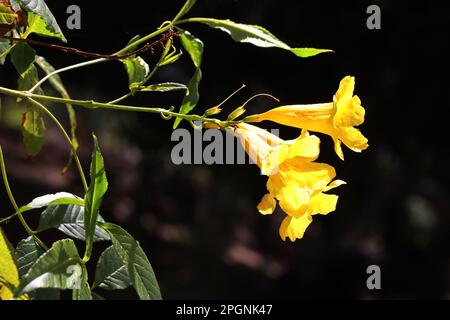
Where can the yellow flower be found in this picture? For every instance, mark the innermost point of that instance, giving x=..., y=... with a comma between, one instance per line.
x=336, y=119
x=294, y=180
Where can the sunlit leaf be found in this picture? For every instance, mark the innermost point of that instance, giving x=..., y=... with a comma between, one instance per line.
x=185, y=9
x=94, y=196
x=137, y=70
x=9, y=275
x=164, y=87
x=192, y=96
x=48, y=26
x=69, y=220
x=58, y=268
x=257, y=36
x=193, y=46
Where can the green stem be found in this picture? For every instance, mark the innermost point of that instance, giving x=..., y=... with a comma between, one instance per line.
x=129, y=94
x=66, y=136
x=14, y=203
x=90, y=104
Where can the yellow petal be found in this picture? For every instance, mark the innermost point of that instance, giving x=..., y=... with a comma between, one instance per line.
x=338, y=148
x=349, y=113
x=334, y=184
x=312, y=175
x=353, y=139
x=294, y=228
x=294, y=200
x=322, y=203
x=267, y=205
x=346, y=87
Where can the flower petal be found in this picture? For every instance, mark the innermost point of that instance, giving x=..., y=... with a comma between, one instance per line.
x=267, y=204
x=322, y=203
x=294, y=228
x=346, y=88
x=349, y=113
x=353, y=139
x=294, y=200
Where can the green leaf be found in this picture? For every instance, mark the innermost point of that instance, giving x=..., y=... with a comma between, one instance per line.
x=33, y=131
x=193, y=46
x=57, y=268
x=48, y=26
x=308, y=52
x=139, y=268
x=4, y=47
x=22, y=57
x=29, y=79
x=27, y=253
x=137, y=70
x=94, y=196
x=164, y=87
x=185, y=9
x=52, y=200
x=111, y=272
x=192, y=96
x=69, y=220
x=256, y=35
x=9, y=275
x=84, y=291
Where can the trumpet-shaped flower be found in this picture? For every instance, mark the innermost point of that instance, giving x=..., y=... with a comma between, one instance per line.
x=336, y=119
x=295, y=181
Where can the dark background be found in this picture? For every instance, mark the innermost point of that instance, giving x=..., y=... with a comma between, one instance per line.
x=198, y=223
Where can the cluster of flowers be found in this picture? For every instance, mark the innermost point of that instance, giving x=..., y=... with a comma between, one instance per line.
x=294, y=178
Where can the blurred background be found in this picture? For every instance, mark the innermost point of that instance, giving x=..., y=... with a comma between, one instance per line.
x=199, y=224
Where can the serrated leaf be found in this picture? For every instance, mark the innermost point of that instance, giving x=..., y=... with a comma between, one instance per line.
x=22, y=57
x=137, y=70
x=69, y=220
x=192, y=96
x=111, y=273
x=257, y=36
x=9, y=275
x=308, y=52
x=185, y=9
x=193, y=46
x=164, y=87
x=28, y=251
x=57, y=268
x=54, y=199
x=37, y=25
x=59, y=198
x=94, y=196
x=139, y=268
x=39, y=8
x=83, y=292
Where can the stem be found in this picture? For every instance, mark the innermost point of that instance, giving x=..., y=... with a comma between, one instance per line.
x=90, y=104
x=14, y=203
x=66, y=136
x=129, y=94
x=96, y=61
x=74, y=66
